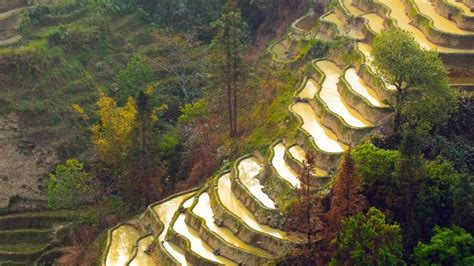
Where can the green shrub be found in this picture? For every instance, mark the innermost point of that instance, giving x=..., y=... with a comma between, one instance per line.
x=449, y=246
x=67, y=185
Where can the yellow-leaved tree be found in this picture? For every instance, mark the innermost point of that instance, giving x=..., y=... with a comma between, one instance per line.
x=112, y=136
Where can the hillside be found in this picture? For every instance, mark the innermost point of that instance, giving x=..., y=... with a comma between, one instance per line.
x=236, y=217
x=171, y=155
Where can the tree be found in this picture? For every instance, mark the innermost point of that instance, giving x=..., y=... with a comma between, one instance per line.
x=68, y=184
x=376, y=167
x=189, y=13
x=147, y=116
x=345, y=198
x=423, y=96
x=112, y=135
x=197, y=115
x=434, y=203
x=464, y=203
x=368, y=240
x=136, y=76
x=183, y=61
x=305, y=214
x=449, y=246
x=409, y=170
x=374, y=164
x=197, y=125
x=226, y=62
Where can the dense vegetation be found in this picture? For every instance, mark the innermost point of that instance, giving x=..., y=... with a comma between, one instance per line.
x=138, y=107
x=393, y=194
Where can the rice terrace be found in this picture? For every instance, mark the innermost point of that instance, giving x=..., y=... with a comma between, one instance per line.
x=236, y=132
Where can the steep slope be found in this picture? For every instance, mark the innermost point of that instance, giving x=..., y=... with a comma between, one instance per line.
x=338, y=105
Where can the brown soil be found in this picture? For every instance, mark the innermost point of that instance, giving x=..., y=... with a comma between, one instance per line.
x=24, y=167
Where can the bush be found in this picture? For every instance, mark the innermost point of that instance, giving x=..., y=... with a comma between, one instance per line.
x=374, y=164
x=75, y=38
x=454, y=149
x=318, y=50
x=449, y=246
x=68, y=184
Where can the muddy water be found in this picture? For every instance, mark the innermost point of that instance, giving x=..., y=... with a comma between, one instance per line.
x=203, y=209
x=443, y=24
x=248, y=171
x=333, y=99
x=375, y=22
x=142, y=259
x=233, y=204
x=299, y=154
x=198, y=245
x=176, y=252
x=467, y=11
x=280, y=51
x=403, y=21
x=355, y=33
x=309, y=89
x=282, y=168
x=165, y=212
x=121, y=249
x=336, y=20
x=324, y=138
x=352, y=9
x=361, y=88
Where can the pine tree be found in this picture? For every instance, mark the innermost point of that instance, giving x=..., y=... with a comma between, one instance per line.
x=305, y=215
x=345, y=199
x=226, y=61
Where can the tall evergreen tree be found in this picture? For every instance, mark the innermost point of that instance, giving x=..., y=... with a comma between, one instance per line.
x=226, y=61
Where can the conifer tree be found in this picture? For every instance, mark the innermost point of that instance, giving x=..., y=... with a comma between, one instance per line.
x=346, y=199
x=305, y=215
x=226, y=61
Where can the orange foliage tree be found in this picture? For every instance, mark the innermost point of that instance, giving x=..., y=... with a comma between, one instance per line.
x=346, y=198
x=304, y=215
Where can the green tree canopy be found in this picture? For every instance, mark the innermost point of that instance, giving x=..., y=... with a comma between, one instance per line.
x=409, y=171
x=226, y=64
x=434, y=204
x=374, y=164
x=135, y=77
x=449, y=246
x=67, y=184
x=193, y=111
x=464, y=202
x=424, y=98
x=368, y=240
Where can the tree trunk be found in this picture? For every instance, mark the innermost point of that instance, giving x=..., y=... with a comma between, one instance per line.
x=308, y=218
x=397, y=123
x=234, y=81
